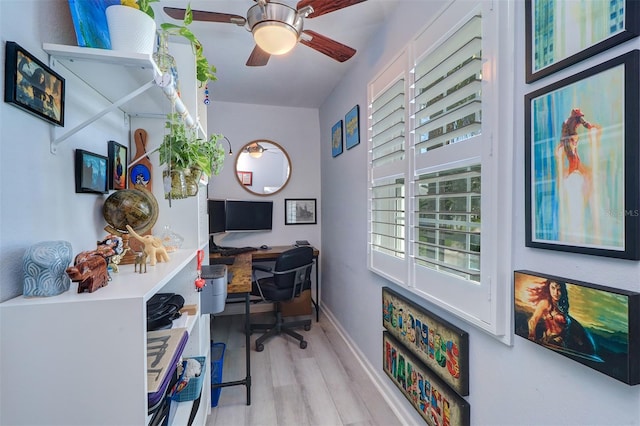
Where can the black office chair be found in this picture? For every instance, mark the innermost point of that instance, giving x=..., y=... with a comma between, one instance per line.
x=289, y=277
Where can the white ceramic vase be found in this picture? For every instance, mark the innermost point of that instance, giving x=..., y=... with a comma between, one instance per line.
x=130, y=29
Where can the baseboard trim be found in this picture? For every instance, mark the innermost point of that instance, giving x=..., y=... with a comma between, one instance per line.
x=388, y=392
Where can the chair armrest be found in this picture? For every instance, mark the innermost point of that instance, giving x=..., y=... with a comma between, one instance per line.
x=261, y=268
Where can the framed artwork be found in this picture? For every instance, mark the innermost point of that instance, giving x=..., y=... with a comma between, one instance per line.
x=336, y=139
x=300, y=211
x=245, y=178
x=562, y=33
x=352, y=126
x=91, y=172
x=441, y=346
x=436, y=402
x=32, y=86
x=581, y=162
x=90, y=22
x=118, y=165
x=592, y=324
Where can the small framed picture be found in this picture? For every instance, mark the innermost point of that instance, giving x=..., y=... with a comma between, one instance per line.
x=245, y=178
x=300, y=211
x=336, y=139
x=91, y=172
x=352, y=127
x=117, y=165
x=32, y=86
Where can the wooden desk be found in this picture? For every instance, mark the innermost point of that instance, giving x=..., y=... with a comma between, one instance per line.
x=269, y=255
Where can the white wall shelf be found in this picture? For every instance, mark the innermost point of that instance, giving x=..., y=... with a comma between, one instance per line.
x=121, y=77
x=77, y=356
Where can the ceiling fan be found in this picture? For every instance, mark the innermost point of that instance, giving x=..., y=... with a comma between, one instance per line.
x=277, y=28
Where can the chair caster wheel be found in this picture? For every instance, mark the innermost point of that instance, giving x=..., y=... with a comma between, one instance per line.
x=307, y=327
x=303, y=345
x=259, y=348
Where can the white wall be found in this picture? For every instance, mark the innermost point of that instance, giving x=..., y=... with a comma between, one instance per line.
x=509, y=385
x=297, y=131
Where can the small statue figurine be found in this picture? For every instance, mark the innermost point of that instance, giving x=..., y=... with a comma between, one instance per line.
x=89, y=270
x=112, y=248
x=153, y=247
x=141, y=260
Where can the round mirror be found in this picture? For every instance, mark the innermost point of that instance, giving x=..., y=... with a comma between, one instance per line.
x=263, y=167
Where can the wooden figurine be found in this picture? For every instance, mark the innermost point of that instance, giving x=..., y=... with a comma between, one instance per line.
x=153, y=247
x=89, y=270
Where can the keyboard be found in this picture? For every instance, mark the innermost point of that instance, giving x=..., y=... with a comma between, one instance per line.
x=232, y=251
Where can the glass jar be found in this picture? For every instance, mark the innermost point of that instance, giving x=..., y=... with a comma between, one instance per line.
x=171, y=240
x=175, y=185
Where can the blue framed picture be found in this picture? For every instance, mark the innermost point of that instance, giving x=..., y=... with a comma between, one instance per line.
x=336, y=139
x=352, y=127
x=90, y=22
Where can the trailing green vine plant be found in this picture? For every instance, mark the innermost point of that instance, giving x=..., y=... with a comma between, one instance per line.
x=204, y=71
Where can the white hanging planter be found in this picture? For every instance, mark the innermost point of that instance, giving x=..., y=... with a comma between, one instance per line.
x=130, y=29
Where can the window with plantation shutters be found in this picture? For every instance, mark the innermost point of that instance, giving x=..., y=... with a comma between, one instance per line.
x=387, y=125
x=448, y=92
x=440, y=128
x=387, y=171
x=448, y=110
x=447, y=218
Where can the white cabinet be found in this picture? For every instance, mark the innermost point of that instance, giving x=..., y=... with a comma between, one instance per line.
x=80, y=359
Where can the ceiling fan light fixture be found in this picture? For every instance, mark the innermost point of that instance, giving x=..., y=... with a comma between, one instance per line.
x=255, y=150
x=275, y=38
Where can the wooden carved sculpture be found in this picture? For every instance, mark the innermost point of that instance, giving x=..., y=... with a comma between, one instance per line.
x=89, y=270
x=141, y=261
x=152, y=247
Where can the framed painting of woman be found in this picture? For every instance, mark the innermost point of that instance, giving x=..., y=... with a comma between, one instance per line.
x=592, y=324
x=581, y=173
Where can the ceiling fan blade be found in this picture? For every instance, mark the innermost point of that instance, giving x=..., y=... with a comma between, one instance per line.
x=338, y=51
x=202, y=15
x=320, y=7
x=258, y=58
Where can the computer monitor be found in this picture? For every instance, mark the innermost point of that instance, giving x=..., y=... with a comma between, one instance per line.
x=248, y=215
x=217, y=216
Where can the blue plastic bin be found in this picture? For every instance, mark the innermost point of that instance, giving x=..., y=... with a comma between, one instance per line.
x=217, y=360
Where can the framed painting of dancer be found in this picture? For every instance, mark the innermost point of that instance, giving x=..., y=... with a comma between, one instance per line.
x=561, y=33
x=581, y=156
x=592, y=324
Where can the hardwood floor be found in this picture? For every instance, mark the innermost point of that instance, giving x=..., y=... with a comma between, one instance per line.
x=321, y=385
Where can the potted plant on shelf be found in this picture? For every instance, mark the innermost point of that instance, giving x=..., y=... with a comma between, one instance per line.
x=187, y=157
x=132, y=26
x=204, y=71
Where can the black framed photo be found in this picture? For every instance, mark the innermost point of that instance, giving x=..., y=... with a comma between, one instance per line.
x=118, y=165
x=91, y=172
x=32, y=86
x=562, y=33
x=300, y=211
x=592, y=324
x=581, y=162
